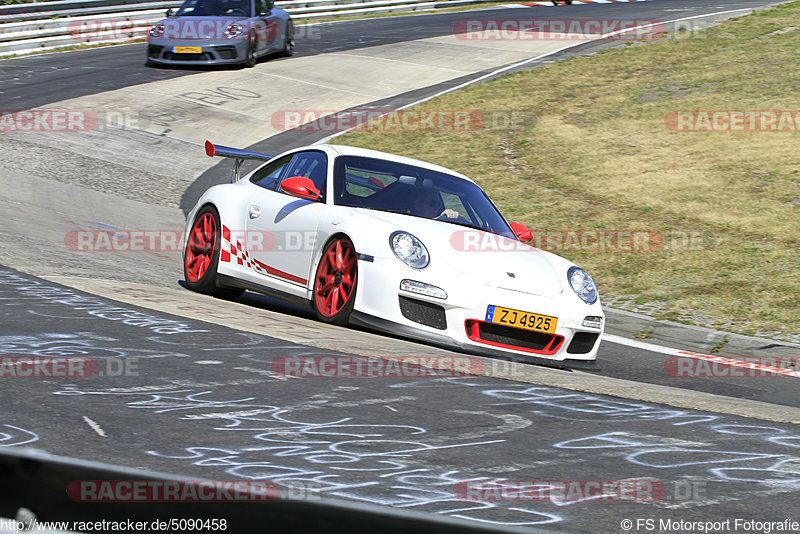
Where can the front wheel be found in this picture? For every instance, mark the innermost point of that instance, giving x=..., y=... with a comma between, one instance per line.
x=251, y=57
x=201, y=257
x=335, y=282
x=288, y=42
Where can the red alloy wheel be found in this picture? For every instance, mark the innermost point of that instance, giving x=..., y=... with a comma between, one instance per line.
x=335, y=283
x=200, y=247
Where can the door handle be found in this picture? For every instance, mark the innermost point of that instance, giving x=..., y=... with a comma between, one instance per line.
x=254, y=211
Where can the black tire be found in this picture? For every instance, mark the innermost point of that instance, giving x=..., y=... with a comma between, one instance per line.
x=251, y=57
x=288, y=42
x=337, y=273
x=201, y=256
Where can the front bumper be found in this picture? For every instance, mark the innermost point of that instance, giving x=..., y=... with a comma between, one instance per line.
x=444, y=341
x=212, y=52
x=460, y=320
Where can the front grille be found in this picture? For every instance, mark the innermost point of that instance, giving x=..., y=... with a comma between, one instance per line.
x=226, y=52
x=513, y=338
x=203, y=56
x=154, y=51
x=423, y=312
x=582, y=342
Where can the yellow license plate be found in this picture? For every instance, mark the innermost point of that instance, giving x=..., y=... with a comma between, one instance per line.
x=521, y=319
x=187, y=49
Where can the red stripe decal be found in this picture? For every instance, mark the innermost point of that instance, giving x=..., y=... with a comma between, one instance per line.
x=280, y=274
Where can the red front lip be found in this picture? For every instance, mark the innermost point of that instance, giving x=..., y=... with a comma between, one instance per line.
x=549, y=346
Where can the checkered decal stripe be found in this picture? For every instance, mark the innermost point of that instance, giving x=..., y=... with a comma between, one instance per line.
x=236, y=253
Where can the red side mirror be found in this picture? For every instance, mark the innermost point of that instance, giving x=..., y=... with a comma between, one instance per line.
x=301, y=187
x=377, y=183
x=521, y=231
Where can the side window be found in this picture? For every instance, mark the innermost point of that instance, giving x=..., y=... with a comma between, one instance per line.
x=312, y=165
x=261, y=7
x=270, y=175
x=365, y=183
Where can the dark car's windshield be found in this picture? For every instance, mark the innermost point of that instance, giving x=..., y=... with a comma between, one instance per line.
x=399, y=188
x=216, y=8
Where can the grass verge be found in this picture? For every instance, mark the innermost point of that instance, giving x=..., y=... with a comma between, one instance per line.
x=722, y=208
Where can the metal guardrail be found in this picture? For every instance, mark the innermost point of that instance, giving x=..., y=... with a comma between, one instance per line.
x=26, y=28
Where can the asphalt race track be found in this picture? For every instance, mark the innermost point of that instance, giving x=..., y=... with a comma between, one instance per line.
x=182, y=383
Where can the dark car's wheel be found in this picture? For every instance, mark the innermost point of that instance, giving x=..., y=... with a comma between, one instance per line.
x=335, y=282
x=251, y=57
x=201, y=256
x=288, y=42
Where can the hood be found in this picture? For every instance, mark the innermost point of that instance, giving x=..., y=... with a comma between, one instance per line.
x=482, y=256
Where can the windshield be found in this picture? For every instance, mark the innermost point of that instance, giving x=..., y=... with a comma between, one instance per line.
x=215, y=8
x=399, y=188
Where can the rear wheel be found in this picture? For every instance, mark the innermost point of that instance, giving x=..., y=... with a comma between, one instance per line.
x=335, y=282
x=201, y=257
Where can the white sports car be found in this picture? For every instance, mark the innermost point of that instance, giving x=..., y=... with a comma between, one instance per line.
x=395, y=244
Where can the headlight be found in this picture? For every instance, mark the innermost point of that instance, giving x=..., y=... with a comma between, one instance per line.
x=157, y=30
x=409, y=250
x=233, y=30
x=582, y=284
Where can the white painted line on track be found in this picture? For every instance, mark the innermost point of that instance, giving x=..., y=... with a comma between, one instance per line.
x=320, y=85
x=346, y=54
x=764, y=369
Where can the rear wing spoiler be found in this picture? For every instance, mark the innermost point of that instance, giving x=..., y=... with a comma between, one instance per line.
x=237, y=153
